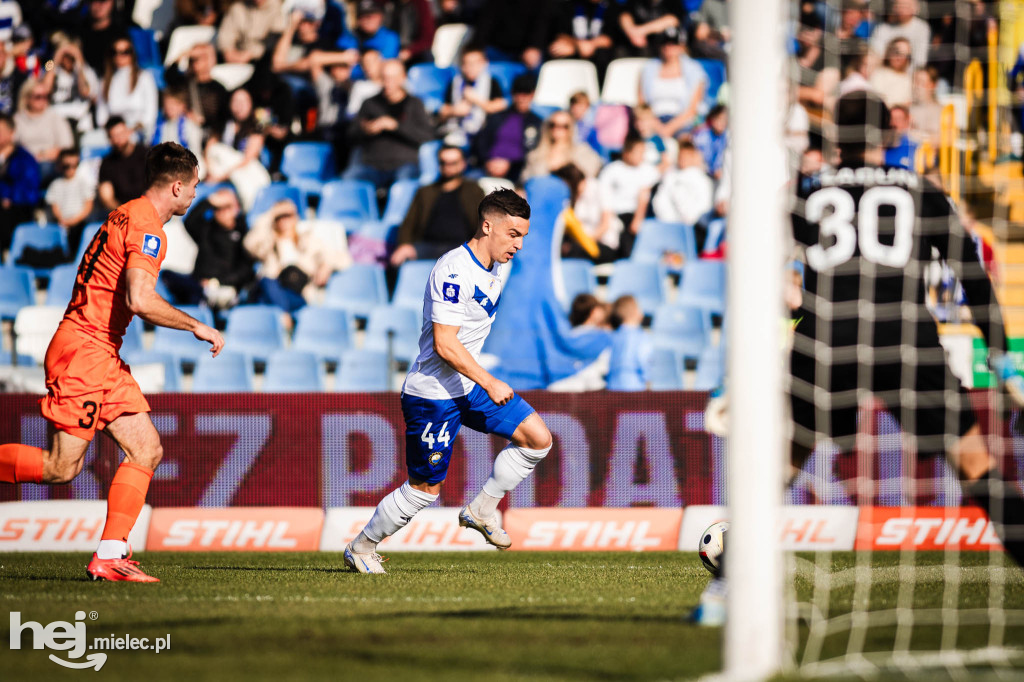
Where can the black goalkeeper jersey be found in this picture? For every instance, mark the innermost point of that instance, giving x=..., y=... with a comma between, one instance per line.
x=868, y=235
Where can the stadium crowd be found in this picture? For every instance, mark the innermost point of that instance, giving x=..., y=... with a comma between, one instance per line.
x=342, y=142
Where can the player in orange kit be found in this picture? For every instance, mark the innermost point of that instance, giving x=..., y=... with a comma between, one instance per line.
x=89, y=387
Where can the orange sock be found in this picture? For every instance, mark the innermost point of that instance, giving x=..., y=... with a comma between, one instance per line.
x=20, y=464
x=127, y=495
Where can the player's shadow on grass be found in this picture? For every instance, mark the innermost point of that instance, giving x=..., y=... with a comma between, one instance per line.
x=283, y=569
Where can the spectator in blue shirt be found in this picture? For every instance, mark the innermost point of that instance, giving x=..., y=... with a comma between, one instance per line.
x=902, y=150
x=19, y=182
x=370, y=34
x=630, y=363
x=712, y=138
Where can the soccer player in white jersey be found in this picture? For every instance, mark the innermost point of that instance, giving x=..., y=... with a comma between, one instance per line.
x=446, y=387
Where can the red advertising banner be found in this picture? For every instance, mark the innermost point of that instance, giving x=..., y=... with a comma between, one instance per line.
x=326, y=450
x=344, y=450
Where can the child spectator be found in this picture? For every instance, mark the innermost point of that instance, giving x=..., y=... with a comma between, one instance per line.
x=902, y=149
x=585, y=118
x=712, y=138
x=658, y=151
x=590, y=231
x=629, y=368
x=174, y=125
x=70, y=197
x=591, y=337
x=686, y=193
x=472, y=95
x=626, y=191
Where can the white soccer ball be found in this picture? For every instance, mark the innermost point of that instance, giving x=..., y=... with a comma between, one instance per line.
x=712, y=546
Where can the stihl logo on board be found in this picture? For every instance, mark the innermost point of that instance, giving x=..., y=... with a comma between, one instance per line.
x=241, y=529
x=964, y=528
x=594, y=529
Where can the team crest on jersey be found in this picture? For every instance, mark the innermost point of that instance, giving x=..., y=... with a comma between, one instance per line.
x=451, y=292
x=151, y=245
x=434, y=459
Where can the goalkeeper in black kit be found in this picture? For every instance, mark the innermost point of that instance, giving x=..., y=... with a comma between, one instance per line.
x=867, y=233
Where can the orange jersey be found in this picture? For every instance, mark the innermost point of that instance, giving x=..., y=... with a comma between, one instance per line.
x=132, y=237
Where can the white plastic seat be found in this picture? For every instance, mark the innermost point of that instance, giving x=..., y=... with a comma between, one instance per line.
x=622, y=81
x=231, y=76
x=183, y=39
x=560, y=78
x=448, y=39
x=34, y=326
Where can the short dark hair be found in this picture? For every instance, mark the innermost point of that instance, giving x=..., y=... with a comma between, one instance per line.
x=113, y=122
x=631, y=141
x=715, y=112
x=474, y=47
x=448, y=147
x=505, y=202
x=67, y=152
x=581, y=308
x=8, y=119
x=169, y=162
x=524, y=84
x=862, y=122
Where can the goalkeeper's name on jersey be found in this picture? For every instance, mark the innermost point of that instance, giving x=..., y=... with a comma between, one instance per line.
x=870, y=176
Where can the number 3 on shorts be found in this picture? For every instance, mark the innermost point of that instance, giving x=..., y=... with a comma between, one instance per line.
x=442, y=436
x=90, y=414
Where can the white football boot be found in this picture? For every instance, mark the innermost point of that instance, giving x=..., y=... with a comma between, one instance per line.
x=364, y=563
x=492, y=532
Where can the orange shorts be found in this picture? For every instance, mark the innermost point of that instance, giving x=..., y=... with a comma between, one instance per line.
x=88, y=386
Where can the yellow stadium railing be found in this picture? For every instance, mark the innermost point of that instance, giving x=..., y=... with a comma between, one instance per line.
x=949, y=155
x=974, y=92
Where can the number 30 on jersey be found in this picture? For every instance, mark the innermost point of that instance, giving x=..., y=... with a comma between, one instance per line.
x=839, y=224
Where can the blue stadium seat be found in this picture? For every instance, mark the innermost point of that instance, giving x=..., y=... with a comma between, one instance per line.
x=146, y=50
x=255, y=330
x=308, y=165
x=362, y=370
x=358, y=289
x=681, y=329
x=62, y=282
x=578, y=278
x=351, y=201
x=644, y=281
x=657, y=237
x=505, y=73
x=430, y=170
x=88, y=232
x=23, y=360
x=172, y=368
x=293, y=371
x=412, y=282
x=45, y=237
x=428, y=82
x=273, y=193
x=325, y=332
x=229, y=372
x=400, y=198
x=376, y=229
x=710, y=370
x=182, y=344
x=404, y=322
x=715, y=70
x=666, y=370
x=703, y=285
x=17, y=290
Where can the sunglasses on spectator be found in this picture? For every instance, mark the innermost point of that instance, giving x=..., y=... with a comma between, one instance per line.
x=121, y=52
x=560, y=125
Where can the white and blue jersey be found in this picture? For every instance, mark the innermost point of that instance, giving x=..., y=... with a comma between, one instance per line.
x=462, y=293
x=437, y=400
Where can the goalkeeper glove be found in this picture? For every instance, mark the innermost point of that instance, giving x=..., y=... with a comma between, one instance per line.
x=1009, y=378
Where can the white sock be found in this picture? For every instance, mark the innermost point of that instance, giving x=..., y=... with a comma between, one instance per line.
x=112, y=549
x=393, y=512
x=511, y=466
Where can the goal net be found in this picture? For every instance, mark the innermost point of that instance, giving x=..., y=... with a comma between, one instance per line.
x=903, y=227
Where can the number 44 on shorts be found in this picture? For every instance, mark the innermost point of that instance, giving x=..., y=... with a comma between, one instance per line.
x=442, y=435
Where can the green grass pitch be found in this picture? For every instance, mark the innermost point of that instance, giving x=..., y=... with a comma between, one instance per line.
x=454, y=616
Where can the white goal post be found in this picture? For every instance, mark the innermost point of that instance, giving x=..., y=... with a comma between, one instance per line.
x=754, y=631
